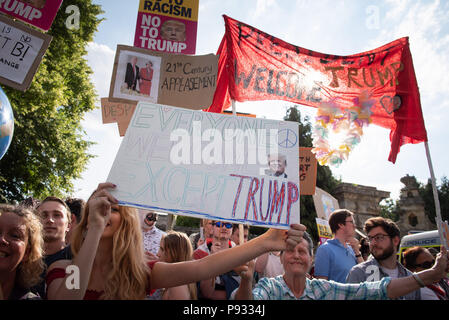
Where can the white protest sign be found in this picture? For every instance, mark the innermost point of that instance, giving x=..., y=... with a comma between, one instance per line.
x=21, y=51
x=209, y=165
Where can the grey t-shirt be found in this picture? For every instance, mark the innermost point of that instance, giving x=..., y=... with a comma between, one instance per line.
x=370, y=270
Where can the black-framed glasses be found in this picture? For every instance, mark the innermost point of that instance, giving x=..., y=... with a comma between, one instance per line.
x=377, y=237
x=425, y=264
x=226, y=224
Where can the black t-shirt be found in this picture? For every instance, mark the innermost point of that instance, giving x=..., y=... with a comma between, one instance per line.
x=63, y=254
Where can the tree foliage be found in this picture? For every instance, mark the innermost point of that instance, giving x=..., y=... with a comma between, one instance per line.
x=426, y=193
x=48, y=149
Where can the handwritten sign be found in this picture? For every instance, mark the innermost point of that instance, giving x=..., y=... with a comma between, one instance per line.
x=324, y=230
x=307, y=171
x=169, y=79
x=39, y=13
x=325, y=204
x=209, y=165
x=21, y=52
x=167, y=26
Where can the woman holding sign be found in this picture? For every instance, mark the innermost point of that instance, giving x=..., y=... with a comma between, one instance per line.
x=107, y=248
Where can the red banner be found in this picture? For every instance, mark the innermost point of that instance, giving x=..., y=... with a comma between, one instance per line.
x=255, y=66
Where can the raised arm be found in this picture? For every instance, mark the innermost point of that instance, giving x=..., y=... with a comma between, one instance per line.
x=99, y=211
x=175, y=274
x=402, y=286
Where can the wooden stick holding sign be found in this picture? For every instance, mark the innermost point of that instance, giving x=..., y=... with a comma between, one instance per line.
x=241, y=231
x=439, y=220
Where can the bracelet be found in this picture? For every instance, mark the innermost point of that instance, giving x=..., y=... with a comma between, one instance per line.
x=358, y=255
x=418, y=279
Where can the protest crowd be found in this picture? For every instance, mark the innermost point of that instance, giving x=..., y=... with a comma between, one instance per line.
x=96, y=249
x=101, y=249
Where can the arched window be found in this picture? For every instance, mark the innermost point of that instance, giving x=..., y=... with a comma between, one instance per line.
x=412, y=220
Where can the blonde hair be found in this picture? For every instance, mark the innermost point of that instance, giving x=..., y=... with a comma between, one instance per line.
x=178, y=248
x=128, y=278
x=29, y=270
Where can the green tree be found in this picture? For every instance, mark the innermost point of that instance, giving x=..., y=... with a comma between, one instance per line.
x=48, y=149
x=324, y=180
x=426, y=193
x=389, y=209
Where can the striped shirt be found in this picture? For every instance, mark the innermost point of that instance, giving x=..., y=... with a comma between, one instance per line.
x=319, y=289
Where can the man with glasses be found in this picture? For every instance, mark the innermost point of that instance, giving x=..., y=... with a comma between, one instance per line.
x=152, y=235
x=220, y=287
x=384, y=239
x=337, y=256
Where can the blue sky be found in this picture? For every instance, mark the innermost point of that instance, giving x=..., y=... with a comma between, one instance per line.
x=334, y=27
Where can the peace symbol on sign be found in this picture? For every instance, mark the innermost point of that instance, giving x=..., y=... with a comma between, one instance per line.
x=287, y=138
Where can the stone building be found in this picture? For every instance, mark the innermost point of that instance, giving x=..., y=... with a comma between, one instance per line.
x=412, y=217
x=362, y=200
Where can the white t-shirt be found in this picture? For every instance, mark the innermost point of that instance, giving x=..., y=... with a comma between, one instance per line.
x=392, y=273
x=428, y=294
x=274, y=266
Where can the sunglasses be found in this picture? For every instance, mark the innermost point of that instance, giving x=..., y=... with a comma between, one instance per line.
x=150, y=217
x=425, y=264
x=226, y=224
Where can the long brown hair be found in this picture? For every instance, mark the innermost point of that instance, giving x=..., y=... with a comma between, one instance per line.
x=178, y=248
x=128, y=278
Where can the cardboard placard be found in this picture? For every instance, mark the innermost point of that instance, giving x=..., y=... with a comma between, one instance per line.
x=208, y=165
x=39, y=13
x=324, y=230
x=325, y=204
x=169, y=79
x=21, y=52
x=167, y=26
x=307, y=171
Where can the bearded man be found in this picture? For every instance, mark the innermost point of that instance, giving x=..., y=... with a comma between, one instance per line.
x=384, y=239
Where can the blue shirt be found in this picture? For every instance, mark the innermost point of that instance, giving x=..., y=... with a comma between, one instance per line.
x=334, y=261
x=319, y=289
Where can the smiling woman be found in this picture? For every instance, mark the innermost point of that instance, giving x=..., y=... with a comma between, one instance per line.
x=20, y=252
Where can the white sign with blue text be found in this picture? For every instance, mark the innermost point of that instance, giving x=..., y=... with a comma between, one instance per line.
x=209, y=165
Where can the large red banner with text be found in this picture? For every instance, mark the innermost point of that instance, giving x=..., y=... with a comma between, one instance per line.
x=255, y=66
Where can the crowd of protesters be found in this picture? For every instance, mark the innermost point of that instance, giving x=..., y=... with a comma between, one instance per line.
x=96, y=249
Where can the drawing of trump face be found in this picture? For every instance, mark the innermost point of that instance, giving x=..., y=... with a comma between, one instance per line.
x=277, y=164
x=173, y=30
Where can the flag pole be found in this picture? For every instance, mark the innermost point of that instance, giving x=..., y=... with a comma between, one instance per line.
x=439, y=220
x=241, y=231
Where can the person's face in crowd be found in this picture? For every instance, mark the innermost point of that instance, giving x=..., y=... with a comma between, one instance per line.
x=173, y=30
x=162, y=253
x=381, y=245
x=113, y=224
x=147, y=219
x=236, y=236
x=13, y=241
x=222, y=230
x=349, y=227
x=54, y=220
x=208, y=228
x=297, y=261
x=149, y=65
x=425, y=260
x=277, y=164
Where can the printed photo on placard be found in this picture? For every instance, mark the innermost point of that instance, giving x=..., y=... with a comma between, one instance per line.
x=137, y=75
